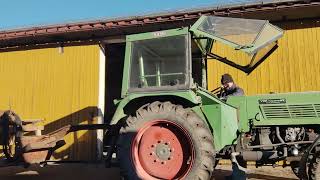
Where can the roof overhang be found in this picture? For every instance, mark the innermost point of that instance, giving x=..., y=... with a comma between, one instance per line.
x=114, y=30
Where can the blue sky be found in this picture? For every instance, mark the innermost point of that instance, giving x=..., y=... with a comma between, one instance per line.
x=26, y=13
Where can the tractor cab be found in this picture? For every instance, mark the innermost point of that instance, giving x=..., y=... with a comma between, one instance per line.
x=157, y=61
x=175, y=59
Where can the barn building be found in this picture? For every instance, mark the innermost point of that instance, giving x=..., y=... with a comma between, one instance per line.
x=70, y=73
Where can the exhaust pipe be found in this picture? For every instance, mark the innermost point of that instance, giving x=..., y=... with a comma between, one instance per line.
x=258, y=155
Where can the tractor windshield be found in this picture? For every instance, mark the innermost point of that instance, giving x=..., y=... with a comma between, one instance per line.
x=159, y=63
x=241, y=43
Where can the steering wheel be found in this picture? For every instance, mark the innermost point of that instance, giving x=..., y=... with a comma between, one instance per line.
x=217, y=91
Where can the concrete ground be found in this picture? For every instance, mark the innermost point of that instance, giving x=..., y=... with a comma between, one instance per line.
x=98, y=172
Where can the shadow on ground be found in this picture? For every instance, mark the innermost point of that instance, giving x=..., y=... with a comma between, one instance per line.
x=65, y=171
x=261, y=173
x=99, y=172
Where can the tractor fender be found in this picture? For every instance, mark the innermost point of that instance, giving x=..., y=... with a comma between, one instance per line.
x=132, y=102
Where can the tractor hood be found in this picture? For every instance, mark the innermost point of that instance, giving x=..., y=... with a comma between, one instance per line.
x=241, y=43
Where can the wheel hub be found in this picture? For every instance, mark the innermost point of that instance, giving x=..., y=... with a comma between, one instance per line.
x=159, y=152
x=163, y=151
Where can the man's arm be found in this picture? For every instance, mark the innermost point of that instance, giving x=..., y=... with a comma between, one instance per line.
x=238, y=92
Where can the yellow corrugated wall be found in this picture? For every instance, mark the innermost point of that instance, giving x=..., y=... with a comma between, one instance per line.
x=61, y=88
x=293, y=67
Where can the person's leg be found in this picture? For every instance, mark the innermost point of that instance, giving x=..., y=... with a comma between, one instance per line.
x=237, y=174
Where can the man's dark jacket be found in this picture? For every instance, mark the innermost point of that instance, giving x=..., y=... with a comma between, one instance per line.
x=234, y=91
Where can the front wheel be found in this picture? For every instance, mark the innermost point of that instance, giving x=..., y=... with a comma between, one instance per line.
x=165, y=141
x=295, y=166
x=314, y=167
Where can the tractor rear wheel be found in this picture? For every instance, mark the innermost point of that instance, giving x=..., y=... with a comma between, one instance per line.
x=165, y=141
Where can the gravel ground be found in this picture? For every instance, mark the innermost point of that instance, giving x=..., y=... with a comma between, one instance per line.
x=98, y=172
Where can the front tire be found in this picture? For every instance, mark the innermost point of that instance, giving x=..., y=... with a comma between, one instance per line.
x=295, y=167
x=165, y=141
x=314, y=167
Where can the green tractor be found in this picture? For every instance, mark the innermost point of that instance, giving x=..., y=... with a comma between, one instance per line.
x=172, y=127
x=167, y=125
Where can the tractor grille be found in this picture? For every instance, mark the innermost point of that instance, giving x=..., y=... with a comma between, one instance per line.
x=291, y=111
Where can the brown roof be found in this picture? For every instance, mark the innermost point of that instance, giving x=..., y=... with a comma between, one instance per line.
x=95, y=31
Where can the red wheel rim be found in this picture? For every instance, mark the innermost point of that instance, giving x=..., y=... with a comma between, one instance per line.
x=162, y=150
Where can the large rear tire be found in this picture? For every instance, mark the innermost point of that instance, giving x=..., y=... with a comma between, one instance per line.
x=165, y=141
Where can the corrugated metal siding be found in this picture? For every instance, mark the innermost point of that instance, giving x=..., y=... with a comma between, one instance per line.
x=61, y=88
x=293, y=67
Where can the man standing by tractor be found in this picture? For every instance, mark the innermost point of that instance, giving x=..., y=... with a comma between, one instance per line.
x=229, y=88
